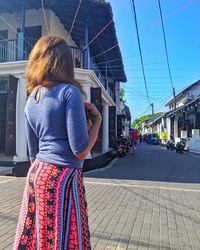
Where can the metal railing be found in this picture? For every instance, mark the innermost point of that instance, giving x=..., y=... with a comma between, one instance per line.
x=98, y=73
x=28, y=45
x=9, y=52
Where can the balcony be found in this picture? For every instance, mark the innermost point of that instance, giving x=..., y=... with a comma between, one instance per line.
x=9, y=53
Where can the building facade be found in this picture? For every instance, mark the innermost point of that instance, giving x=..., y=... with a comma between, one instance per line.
x=184, y=120
x=21, y=25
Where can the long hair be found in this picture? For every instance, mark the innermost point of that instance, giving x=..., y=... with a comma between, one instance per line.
x=50, y=62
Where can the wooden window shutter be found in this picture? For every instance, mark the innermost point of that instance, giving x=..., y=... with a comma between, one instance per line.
x=97, y=100
x=10, y=144
x=112, y=125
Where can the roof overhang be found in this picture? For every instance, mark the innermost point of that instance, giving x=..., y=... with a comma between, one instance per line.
x=183, y=92
x=96, y=14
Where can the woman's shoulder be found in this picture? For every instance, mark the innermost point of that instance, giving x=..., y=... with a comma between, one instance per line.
x=69, y=90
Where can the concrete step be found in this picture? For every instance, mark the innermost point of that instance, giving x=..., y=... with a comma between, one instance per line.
x=6, y=171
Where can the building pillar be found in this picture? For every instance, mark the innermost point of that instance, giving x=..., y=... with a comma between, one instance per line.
x=20, y=36
x=105, y=138
x=21, y=142
x=176, y=127
x=168, y=125
x=86, y=52
x=87, y=91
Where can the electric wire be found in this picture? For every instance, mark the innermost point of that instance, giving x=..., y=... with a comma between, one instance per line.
x=98, y=34
x=11, y=27
x=165, y=43
x=4, y=39
x=139, y=46
x=180, y=9
x=45, y=17
x=74, y=20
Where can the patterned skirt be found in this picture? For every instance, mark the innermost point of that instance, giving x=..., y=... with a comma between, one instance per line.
x=54, y=210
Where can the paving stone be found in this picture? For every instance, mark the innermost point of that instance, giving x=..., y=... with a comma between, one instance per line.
x=124, y=213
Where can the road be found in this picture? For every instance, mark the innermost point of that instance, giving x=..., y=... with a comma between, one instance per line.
x=154, y=163
x=146, y=201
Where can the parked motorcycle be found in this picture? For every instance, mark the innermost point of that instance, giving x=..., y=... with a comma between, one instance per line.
x=120, y=147
x=127, y=144
x=170, y=145
x=180, y=146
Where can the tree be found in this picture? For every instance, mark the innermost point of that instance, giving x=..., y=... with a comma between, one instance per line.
x=137, y=123
x=122, y=94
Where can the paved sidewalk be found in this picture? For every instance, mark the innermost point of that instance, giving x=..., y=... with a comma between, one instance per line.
x=123, y=213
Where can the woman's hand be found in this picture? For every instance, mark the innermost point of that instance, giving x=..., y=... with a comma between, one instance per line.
x=91, y=110
x=91, y=113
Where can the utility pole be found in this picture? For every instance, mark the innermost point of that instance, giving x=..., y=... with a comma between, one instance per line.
x=152, y=108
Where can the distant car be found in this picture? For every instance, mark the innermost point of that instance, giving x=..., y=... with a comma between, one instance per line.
x=153, y=139
x=146, y=138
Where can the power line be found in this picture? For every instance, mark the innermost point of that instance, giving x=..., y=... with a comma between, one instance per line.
x=74, y=20
x=166, y=52
x=98, y=34
x=45, y=17
x=114, y=69
x=4, y=39
x=152, y=63
x=111, y=48
x=188, y=4
x=11, y=27
x=165, y=43
x=146, y=110
x=139, y=46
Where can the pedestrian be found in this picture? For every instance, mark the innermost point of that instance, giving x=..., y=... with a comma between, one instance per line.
x=141, y=138
x=134, y=139
x=54, y=209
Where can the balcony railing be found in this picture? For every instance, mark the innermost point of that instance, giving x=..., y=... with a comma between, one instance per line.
x=9, y=53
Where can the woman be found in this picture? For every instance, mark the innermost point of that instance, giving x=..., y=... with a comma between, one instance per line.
x=54, y=211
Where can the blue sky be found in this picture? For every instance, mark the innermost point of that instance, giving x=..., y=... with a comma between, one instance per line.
x=181, y=19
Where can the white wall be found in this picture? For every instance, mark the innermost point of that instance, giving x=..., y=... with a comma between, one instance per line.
x=193, y=93
x=117, y=95
x=194, y=142
x=35, y=18
x=58, y=29
x=86, y=77
x=168, y=127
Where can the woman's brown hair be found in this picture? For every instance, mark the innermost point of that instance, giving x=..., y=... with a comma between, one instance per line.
x=50, y=62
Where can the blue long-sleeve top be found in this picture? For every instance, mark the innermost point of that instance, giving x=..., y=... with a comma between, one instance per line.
x=56, y=126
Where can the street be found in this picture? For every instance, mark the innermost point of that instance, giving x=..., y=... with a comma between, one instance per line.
x=146, y=201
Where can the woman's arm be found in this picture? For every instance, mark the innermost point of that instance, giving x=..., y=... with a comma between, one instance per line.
x=93, y=135
x=32, y=141
x=81, y=141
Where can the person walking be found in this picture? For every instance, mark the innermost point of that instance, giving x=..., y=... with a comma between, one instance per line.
x=134, y=139
x=54, y=208
x=141, y=138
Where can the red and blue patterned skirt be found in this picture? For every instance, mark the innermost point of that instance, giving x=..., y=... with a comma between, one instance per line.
x=54, y=210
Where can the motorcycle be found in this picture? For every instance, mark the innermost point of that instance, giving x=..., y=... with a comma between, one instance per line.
x=170, y=145
x=120, y=148
x=126, y=144
x=180, y=146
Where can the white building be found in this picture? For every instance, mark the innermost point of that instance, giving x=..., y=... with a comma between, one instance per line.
x=186, y=116
x=21, y=24
x=184, y=121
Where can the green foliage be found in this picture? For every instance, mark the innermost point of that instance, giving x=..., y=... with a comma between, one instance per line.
x=137, y=123
x=122, y=94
